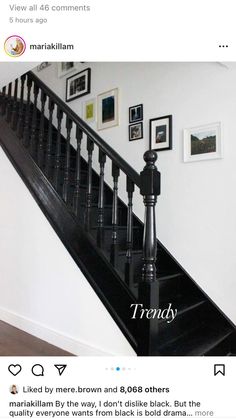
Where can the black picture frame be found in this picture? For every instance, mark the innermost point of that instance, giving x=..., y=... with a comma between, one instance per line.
x=160, y=133
x=139, y=112
x=81, y=85
x=139, y=126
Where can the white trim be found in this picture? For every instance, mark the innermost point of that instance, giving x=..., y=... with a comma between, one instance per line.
x=51, y=336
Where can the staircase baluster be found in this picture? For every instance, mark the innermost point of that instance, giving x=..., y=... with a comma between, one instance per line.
x=40, y=151
x=129, y=262
x=67, y=162
x=15, y=106
x=26, y=134
x=3, y=101
x=114, y=246
x=148, y=287
x=20, y=124
x=9, y=103
x=79, y=135
x=100, y=229
x=90, y=148
x=51, y=105
x=34, y=122
x=58, y=149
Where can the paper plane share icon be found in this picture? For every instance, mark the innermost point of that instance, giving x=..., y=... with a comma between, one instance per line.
x=60, y=368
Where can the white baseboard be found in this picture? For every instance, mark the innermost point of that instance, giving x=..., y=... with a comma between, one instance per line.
x=51, y=336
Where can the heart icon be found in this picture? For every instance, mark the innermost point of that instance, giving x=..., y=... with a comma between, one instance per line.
x=14, y=369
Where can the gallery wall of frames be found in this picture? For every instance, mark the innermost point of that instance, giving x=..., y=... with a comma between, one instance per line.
x=199, y=143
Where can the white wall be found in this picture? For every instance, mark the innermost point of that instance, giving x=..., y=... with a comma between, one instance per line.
x=42, y=290
x=10, y=71
x=196, y=211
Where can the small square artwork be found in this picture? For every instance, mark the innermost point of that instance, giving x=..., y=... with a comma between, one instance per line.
x=78, y=85
x=202, y=143
x=161, y=133
x=135, y=113
x=90, y=110
x=108, y=112
x=65, y=68
x=136, y=131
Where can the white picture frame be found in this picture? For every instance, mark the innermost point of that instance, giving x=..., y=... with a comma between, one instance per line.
x=108, y=109
x=203, y=142
x=66, y=67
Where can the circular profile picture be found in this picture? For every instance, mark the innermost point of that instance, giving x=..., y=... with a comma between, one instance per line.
x=14, y=46
x=13, y=389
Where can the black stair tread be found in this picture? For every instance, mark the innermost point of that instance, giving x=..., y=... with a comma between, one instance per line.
x=184, y=305
x=119, y=227
x=134, y=252
x=95, y=205
x=163, y=278
x=197, y=342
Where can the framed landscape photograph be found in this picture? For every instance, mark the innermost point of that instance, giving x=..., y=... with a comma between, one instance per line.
x=78, y=85
x=108, y=109
x=161, y=133
x=136, y=131
x=65, y=68
x=203, y=143
x=135, y=113
x=90, y=110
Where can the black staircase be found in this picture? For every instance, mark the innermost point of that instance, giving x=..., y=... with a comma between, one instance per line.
x=122, y=259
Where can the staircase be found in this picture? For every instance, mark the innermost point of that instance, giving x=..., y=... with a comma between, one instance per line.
x=119, y=256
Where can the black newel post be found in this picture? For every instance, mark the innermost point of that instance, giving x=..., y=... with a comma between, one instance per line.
x=148, y=289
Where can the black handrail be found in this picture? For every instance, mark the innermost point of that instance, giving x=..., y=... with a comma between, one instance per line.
x=112, y=154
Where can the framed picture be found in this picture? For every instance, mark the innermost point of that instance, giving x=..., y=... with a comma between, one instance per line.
x=136, y=131
x=135, y=113
x=90, y=110
x=161, y=133
x=43, y=65
x=65, y=68
x=78, y=85
x=108, y=109
x=203, y=143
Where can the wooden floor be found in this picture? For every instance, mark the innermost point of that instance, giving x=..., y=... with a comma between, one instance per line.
x=15, y=342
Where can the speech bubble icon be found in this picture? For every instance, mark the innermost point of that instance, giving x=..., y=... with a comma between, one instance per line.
x=37, y=370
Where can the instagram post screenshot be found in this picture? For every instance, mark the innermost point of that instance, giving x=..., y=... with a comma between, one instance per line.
x=117, y=214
